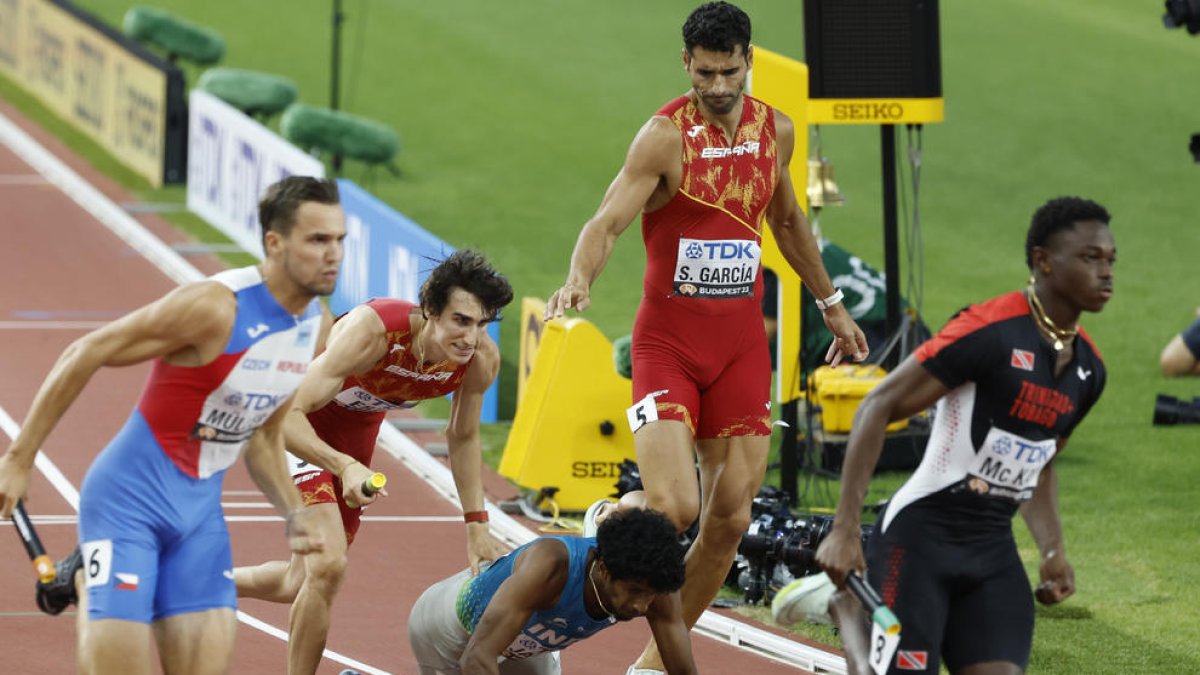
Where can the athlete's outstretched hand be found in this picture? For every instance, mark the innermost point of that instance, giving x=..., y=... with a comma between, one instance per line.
x=1058, y=579
x=848, y=338
x=303, y=537
x=572, y=295
x=481, y=545
x=841, y=553
x=14, y=483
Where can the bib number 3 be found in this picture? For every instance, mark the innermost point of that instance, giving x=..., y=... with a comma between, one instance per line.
x=883, y=648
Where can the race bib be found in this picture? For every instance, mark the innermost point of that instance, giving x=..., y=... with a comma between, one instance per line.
x=883, y=647
x=643, y=412
x=718, y=268
x=361, y=400
x=1008, y=465
x=97, y=562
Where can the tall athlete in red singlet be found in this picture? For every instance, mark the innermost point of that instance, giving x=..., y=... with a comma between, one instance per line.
x=705, y=171
x=383, y=355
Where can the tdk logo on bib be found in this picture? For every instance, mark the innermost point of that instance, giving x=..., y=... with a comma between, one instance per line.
x=719, y=268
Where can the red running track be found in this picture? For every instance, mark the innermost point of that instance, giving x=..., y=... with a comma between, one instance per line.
x=61, y=272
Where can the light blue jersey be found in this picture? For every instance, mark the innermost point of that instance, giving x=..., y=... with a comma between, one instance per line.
x=547, y=630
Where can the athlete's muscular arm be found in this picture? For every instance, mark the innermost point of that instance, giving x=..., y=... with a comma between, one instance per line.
x=266, y=465
x=355, y=343
x=799, y=248
x=466, y=453
x=188, y=326
x=1041, y=516
x=538, y=577
x=665, y=617
x=907, y=390
x=654, y=149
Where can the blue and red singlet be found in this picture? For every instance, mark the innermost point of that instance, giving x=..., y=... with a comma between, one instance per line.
x=151, y=529
x=699, y=351
x=350, y=422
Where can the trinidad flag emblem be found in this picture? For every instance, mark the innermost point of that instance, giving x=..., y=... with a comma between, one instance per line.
x=1022, y=359
x=911, y=660
x=127, y=582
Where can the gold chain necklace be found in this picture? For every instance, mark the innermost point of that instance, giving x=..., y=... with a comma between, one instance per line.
x=596, y=591
x=1047, y=324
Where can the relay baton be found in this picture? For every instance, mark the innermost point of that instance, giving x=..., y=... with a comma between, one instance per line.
x=33, y=545
x=880, y=613
x=374, y=484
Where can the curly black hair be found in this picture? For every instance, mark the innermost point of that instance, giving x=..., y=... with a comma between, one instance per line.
x=641, y=545
x=1056, y=215
x=717, y=27
x=470, y=271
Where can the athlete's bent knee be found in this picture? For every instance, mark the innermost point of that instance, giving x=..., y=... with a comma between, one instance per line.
x=681, y=511
x=325, y=572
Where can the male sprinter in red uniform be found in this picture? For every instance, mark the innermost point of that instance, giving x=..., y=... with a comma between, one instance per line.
x=1012, y=378
x=705, y=171
x=383, y=355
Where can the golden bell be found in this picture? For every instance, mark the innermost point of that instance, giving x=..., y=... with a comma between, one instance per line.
x=822, y=189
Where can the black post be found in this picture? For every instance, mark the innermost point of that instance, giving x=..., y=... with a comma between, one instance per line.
x=335, y=60
x=891, y=243
x=789, y=450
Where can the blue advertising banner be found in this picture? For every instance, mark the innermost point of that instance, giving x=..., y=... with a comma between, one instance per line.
x=389, y=255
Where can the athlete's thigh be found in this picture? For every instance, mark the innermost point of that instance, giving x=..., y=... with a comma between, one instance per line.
x=196, y=643
x=435, y=633
x=547, y=663
x=114, y=646
x=665, y=382
x=120, y=570
x=196, y=571
x=318, y=486
x=738, y=401
x=731, y=472
x=911, y=581
x=993, y=622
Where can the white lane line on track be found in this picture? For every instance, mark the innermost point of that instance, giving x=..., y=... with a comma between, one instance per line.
x=43, y=463
x=156, y=253
x=51, y=325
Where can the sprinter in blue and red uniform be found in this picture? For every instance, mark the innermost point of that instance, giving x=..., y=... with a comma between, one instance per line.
x=705, y=172
x=1012, y=378
x=228, y=354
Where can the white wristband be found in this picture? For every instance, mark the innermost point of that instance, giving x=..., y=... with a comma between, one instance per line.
x=831, y=300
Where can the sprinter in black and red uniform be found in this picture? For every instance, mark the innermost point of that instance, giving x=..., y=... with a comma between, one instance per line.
x=1012, y=378
x=383, y=355
x=705, y=171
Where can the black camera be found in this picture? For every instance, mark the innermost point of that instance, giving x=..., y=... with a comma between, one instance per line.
x=1183, y=13
x=778, y=547
x=1169, y=410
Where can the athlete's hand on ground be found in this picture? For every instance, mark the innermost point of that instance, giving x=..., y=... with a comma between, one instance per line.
x=570, y=296
x=14, y=483
x=353, y=477
x=481, y=545
x=1058, y=579
x=302, y=534
x=841, y=553
x=848, y=338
